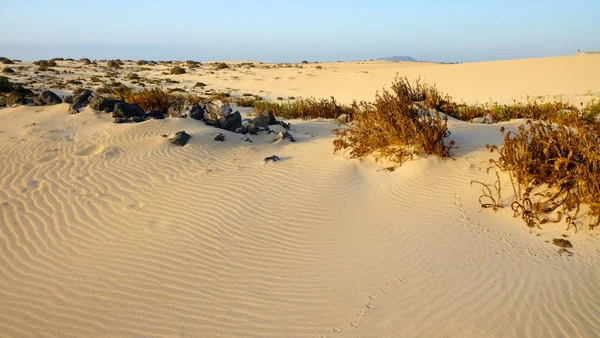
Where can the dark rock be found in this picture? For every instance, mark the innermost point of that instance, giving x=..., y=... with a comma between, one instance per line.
x=241, y=130
x=156, y=114
x=273, y=158
x=251, y=129
x=219, y=137
x=180, y=138
x=121, y=120
x=231, y=122
x=50, y=98
x=2, y=102
x=266, y=118
x=39, y=101
x=563, y=243
x=285, y=126
x=80, y=101
x=218, y=107
x=284, y=136
x=247, y=139
x=104, y=104
x=128, y=110
x=83, y=98
x=138, y=119
x=197, y=112
x=68, y=99
x=174, y=111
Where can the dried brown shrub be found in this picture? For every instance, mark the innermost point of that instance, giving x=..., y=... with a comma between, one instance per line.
x=159, y=99
x=306, y=109
x=553, y=166
x=395, y=127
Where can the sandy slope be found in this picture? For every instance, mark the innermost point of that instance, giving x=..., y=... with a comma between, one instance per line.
x=109, y=230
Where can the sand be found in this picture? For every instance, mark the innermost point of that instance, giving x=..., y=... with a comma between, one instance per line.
x=110, y=230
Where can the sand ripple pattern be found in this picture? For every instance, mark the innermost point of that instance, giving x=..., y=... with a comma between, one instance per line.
x=112, y=231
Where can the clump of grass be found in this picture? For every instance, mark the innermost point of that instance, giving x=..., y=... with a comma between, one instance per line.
x=200, y=84
x=247, y=101
x=8, y=70
x=222, y=96
x=177, y=70
x=221, y=65
x=113, y=64
x=159, y=99
x=141, y=62
x=5, y=60
x=86, y=61
x=304, y=62
x=115, y=89
x=394, y=127
x=193, y=64
x=305, y=109
x=553, y=166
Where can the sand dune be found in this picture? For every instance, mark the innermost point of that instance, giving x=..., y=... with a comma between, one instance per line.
x=110, y=230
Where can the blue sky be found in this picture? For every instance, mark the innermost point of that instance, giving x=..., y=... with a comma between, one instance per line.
x=281, y=31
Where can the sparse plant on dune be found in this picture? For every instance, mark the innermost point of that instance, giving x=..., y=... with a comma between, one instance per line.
x=553, y=166
x=112, y=64
x=221, y=65
x=177, y=70
x=159, y=99
x=394, y=127
x=247, y=101
x=306, y=109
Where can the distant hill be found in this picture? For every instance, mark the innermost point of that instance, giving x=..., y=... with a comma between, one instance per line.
x=399, y=58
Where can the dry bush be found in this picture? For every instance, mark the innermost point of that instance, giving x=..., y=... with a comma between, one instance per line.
x=247, y=101
x=113, y=64
x=305, y=109
x=394, y=127
x=222, y=96
x=159, y=99
x=553, y=166
x=221, y=65
x=86, y=61
x=8, y=70
x=115, y=90
x=177, y=70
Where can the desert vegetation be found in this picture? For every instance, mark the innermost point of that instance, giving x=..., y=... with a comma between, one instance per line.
x=553, y=170
x=221, y=65
x=177, y=70
x=394, y=127
x=113, y=64
x=309, y=108
x=159, y=99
